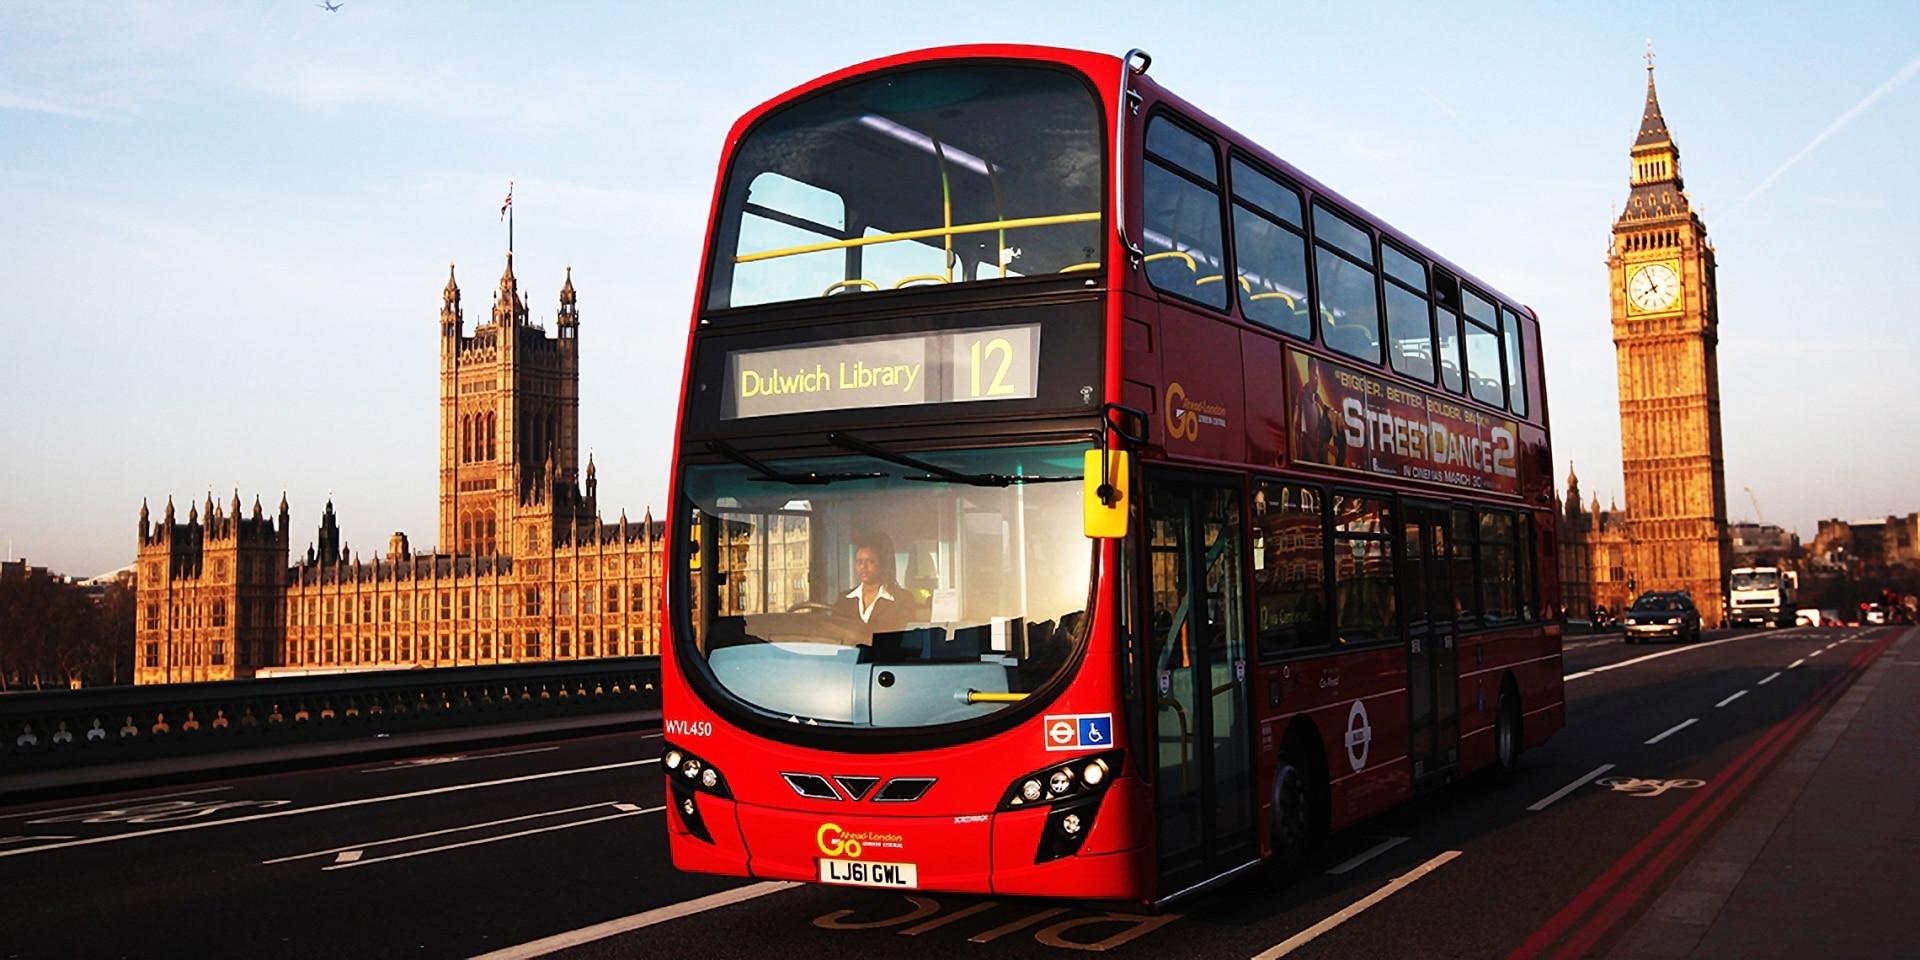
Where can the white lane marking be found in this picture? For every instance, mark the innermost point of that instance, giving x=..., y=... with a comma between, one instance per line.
x=349, y=856
x=434, y=791
x=23, y=838
x=1769, y=678
x=452, y=758
x=1730, y=699
x=1795, y=665
x=613, y=928
x=1816, y=653
x=1651, y=656
x=505, y=836
x=1385, y=844
x=439, y=833
x=1308, y=935
x=1549, y=799
x=1676, y=728
x=108, y=803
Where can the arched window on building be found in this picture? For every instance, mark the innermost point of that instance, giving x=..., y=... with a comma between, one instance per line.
x=490, y=435
x=466, y=439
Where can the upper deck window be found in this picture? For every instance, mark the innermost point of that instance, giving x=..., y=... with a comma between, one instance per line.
x=1186, y=252
x=1485, y=381
x=928, y=176
x=1409, y=315
x=1349, y=304
x=1271, y=252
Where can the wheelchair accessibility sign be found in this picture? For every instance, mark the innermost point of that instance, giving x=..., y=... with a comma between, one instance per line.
x=1078, y=731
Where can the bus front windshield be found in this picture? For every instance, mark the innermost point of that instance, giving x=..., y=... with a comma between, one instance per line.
x=923, y=177
x=881, y=595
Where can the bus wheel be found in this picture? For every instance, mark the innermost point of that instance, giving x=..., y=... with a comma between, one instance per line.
x=1507, y=742
x=1296, y=824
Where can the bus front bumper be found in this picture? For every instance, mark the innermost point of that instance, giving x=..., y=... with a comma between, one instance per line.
x=987, y=854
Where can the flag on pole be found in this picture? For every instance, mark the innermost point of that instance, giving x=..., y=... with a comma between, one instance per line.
x=504, y=207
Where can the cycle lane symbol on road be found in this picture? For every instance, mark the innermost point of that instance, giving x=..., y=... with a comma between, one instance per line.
x=1636, y=787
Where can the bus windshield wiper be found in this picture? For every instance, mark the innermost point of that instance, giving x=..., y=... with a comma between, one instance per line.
x=935, y=472
x=769, y=475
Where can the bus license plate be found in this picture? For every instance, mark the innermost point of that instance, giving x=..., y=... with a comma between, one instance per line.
x=866, y=873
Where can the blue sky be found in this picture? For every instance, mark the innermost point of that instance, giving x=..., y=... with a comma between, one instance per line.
x=226, y=226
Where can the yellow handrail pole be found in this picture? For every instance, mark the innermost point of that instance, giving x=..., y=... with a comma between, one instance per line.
x=946, y=207
x=975, y=696
x=918, y=235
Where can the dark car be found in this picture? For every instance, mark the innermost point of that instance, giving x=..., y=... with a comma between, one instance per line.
x=1658, y=614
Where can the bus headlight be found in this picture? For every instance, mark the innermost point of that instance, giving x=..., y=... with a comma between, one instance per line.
x=1084, y=776
x=694, y=777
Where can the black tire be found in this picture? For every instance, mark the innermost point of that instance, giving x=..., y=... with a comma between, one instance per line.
x=1508, y=741
x=1297, y=829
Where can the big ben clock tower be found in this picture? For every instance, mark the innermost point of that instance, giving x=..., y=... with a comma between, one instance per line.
x=1666, y=335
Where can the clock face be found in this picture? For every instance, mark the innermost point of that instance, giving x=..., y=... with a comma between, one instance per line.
x=1653, y=287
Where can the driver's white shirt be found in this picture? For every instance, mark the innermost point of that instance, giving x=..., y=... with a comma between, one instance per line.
x=866, y=609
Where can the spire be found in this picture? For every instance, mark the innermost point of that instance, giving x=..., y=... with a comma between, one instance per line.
x=1653, y=127
x=569, y=310
x=508, y=308
x=169, y=509
x=450, y=315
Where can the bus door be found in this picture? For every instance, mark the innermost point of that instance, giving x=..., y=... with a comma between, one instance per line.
x=1197, y=662
x=1432, y=663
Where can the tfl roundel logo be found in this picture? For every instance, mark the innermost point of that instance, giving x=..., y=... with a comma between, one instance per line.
x=1078, y=731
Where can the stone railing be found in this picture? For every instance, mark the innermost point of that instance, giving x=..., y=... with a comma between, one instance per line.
x=43, y=730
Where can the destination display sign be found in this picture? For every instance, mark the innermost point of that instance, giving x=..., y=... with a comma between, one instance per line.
x=948, y=366
x=1352, y=420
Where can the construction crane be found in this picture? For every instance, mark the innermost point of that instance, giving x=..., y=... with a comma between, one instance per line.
x=1756, y=506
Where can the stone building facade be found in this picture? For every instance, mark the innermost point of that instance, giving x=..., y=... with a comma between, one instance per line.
x=528, y=570
x=1666, y=321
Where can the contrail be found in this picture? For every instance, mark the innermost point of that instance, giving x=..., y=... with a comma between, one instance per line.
x=1906, y=73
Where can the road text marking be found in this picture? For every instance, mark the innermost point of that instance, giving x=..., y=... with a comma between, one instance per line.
x=1549, y=799
x=1394, y=886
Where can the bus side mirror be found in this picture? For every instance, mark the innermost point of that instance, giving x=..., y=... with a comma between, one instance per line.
x=1103, y=494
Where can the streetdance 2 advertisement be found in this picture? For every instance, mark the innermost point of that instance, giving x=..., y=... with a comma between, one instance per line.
x=1357, y=421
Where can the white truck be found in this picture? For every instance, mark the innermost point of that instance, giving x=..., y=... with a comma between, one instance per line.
x=1761, y=596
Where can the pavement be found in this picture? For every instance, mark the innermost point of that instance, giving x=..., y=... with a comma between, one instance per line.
x=21, y=787
x=1823, y=859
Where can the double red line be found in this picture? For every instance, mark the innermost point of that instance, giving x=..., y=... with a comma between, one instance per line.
x=1597, y=909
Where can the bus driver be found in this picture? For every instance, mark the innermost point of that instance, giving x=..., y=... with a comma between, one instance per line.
x=879, y=600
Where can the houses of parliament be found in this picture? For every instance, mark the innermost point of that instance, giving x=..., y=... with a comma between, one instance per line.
x=527, y=569
x=1673, y=534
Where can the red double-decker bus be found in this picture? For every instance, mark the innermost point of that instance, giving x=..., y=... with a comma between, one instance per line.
x=1072, y=498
